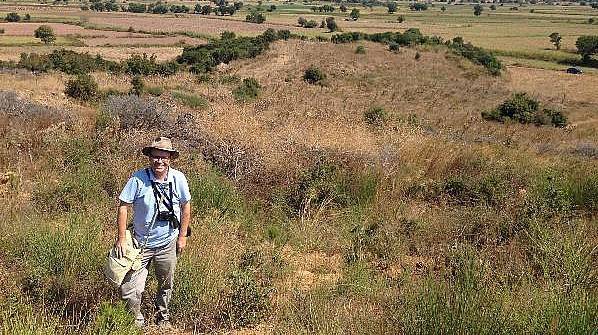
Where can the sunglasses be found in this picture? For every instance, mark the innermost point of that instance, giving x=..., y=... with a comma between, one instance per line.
x=157, y=158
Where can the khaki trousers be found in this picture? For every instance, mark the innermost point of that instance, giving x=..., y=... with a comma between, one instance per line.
x=164, y=259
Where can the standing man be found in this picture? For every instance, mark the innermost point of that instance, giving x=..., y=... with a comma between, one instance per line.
x=160, y=198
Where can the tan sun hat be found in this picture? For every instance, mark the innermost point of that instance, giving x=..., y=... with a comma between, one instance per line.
x=161, y=143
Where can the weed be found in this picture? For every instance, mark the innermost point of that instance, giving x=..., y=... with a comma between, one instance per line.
x=114, y=320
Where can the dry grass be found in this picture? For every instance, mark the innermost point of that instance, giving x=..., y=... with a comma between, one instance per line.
x=61, y=29
x=142, y=41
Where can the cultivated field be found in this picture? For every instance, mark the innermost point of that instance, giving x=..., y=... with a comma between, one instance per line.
x=370, y=195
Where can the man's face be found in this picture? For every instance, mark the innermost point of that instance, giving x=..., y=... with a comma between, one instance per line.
x=159, y=160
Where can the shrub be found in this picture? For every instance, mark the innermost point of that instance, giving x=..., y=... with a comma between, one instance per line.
x=313, y=75
x=418, y=6
x=83, y=87
x=134, y=112
x=394, y=46
x=137, y=85
x=476, y=55
x=12, y=17
x=417, y=56
x=375, y=116
x=524, y=109
x=401, y=18
x=247, y=91
x=360, y=50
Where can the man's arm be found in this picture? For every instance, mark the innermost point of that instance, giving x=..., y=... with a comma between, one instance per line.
x=121, y=221
x=185, y=219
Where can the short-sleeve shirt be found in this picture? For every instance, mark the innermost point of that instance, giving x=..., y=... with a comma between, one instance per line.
x=138, y=191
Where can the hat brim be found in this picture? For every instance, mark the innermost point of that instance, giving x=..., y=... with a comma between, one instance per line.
x=147, y=150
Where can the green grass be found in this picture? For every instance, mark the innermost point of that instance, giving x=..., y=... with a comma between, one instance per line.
x=190, y=100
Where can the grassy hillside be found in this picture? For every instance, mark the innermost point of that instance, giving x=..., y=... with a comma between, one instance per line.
x=377, y=202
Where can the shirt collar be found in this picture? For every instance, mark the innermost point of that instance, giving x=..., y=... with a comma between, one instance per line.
x=153, y=177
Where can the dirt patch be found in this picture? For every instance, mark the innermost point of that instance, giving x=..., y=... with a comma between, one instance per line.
x=311, y=269
x=208, y=26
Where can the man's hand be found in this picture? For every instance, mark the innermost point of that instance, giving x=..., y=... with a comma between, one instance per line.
x=181, y=243
x=119, y=248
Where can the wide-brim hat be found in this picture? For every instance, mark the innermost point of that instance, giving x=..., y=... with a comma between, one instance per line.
x=161, y=143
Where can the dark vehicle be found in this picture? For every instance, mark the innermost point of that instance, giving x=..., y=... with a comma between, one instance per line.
x=574, y=70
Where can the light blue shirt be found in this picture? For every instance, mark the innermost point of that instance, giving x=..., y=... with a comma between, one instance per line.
x=138, y=191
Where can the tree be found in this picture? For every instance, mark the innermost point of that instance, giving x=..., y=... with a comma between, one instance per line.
x=392, y=7
x=492, y=7
x=331, y=24
x=587, y=46
x=443, y=9
x=354, y=14
x=255, y=17
x=477, y=9
x=27, y=17
x=12, y=17
x=555, y=38
x=343, y=8
x=45, y=34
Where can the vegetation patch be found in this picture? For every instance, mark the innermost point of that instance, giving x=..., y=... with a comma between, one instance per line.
x=191, y=100
x=524, y=109
x=247, y=91
x=205, y=58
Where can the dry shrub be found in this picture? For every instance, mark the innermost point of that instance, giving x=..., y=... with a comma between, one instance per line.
x=137, y=112
x=23, y=115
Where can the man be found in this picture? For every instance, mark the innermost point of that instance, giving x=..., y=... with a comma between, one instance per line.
x=160, y=198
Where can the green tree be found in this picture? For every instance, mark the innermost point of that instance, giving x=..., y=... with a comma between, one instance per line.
x=331, y=24
x=477, y=9
x=354, y=14
x=443, y=9
x=12, y=17
x=555, y=38
x=587, y=46
x=45, y=34
x=392, y=7
x=343, y=8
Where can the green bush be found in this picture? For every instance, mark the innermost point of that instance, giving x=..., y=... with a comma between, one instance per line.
x=375, y=116
x=83, y=87
x=524, y=109
x=45, y=34
x=313, y=75
x=247, y=91
x=360, y=50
